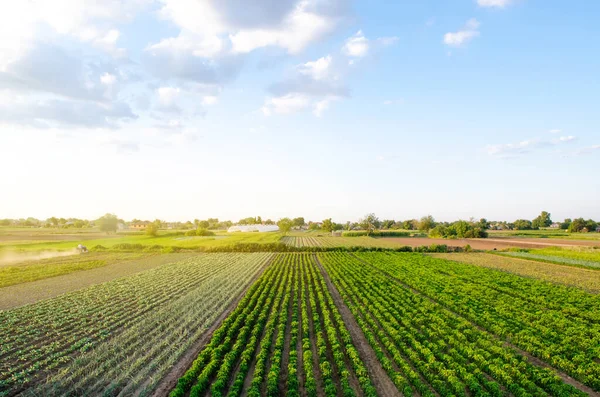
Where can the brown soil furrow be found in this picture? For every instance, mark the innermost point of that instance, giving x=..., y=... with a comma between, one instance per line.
x=383, y=384
x=532, y=359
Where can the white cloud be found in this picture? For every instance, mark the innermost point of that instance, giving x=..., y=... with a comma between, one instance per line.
x=204, y=46
x=356, y=46
x=286, y=104
x=288, y=24
x=466, y=34
x=108, y=79
x=319, y=69
x=322, y=105
x=494, y=3
x=555, y=131
x=516, y=149
x=565, y=139
x=209, y=100
x=168, y=95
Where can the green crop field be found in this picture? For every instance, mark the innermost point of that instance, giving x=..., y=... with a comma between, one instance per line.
x=306, y=324
x=581, y=256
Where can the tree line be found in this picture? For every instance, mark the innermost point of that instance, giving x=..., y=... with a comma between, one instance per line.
x=369, y=223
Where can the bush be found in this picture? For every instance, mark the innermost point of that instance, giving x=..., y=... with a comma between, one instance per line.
x=190, y=233
x=152, y=230
x=376, y=233
x=204, y=232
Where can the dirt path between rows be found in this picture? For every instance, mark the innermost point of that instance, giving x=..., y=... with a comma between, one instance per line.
x=170, y=380
x=383, y=384
x=532, y=359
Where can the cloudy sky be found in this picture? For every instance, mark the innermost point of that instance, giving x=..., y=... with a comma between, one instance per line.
x=182, y=109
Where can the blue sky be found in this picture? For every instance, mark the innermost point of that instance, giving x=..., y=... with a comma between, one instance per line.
x=182, y=109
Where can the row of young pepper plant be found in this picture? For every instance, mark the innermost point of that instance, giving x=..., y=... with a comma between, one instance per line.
x=426, y=349
x=557, y=324
x=285, y=337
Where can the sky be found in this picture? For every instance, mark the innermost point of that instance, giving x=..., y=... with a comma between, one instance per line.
x=183, y=109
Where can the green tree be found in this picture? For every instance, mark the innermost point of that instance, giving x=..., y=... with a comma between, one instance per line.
x=203, y=225
x=543, y=220
x=483, y=224
x=387, y=224
x=108, y=223
x=152, y=229
x=53, y=221
x=327, y=225
x=523, y=224
x=577, y=225
x=370, y=222
x=298, y=222
x=426, y=223
x=285, y=224
x=565, y=225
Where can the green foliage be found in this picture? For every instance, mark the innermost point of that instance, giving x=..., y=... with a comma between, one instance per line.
x=107, y=223
x=369, y=223
x=543, y=220
x=523, y=224
x=285, y=224
x=376, y=233
x=327, y=225
x=459, y=229
x=152, y=230
x=204, y=232
x=426, y=223
x=298, y=222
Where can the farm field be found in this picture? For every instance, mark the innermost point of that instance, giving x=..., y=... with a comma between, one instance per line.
x=222, y=239
x=117, y=265
x=591, y=238
x=586, y=279
x=286, y=337
x=311, y=241
x=395, y=242
x=311, y=324
x=122, y=335
x=584, y=257
x=555, y=324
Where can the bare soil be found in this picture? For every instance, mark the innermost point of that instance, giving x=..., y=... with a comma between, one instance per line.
x=383, y=384
x=490, y=244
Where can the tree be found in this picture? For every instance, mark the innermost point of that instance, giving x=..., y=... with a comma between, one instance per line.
x=426, y=223
x=327, y=225
x=285, y=224
x=522, y=224
x=269, y=222
x=298, y=222
x=337, y=226
x=53, y=221
x=313, y=225
x=152, y=229
x=369, y=223
x=483, y=224
x=543, y=220
x=577, y=225
x=108, y=223
x=203, y=225
x=565, y=225
x=591, y=225
x=387, y=224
